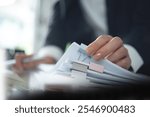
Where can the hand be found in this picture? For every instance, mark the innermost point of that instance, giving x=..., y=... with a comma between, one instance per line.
x=20, y=66
x=111, y=48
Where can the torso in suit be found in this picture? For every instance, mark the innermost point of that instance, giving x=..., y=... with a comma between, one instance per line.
x=129, y=19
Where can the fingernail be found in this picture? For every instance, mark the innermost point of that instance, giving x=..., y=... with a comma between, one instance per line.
x=97, y=56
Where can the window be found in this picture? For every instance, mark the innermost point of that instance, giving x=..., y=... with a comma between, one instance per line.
x=17, y=24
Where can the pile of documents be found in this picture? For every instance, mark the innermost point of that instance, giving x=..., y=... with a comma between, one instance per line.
x=76, y=69
x=79, y=65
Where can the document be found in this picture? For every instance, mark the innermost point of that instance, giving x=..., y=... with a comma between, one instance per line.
x=103, y=70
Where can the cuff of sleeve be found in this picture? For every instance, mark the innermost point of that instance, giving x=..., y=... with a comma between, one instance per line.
x=52, y=51
x=136, y=59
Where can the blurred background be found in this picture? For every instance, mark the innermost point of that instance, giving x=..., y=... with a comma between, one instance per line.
x=24, y=25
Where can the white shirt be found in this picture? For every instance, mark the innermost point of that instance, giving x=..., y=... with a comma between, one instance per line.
x=95, y=13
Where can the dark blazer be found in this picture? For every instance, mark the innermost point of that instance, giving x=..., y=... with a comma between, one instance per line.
x=129, y=19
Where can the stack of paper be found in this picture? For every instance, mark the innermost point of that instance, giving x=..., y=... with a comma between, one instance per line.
x=75, y=60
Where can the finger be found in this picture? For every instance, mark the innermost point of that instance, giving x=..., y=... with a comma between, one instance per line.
x=124, y=63
x=122, y=52
x=98, y=43
x=19, y=58
x=35, y=63
x=109, y=48
x=23, y=56
x=49, y=60
x=19, y=61
x=31, y=65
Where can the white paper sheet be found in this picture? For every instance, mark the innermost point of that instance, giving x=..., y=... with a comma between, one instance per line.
x=76, y=53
